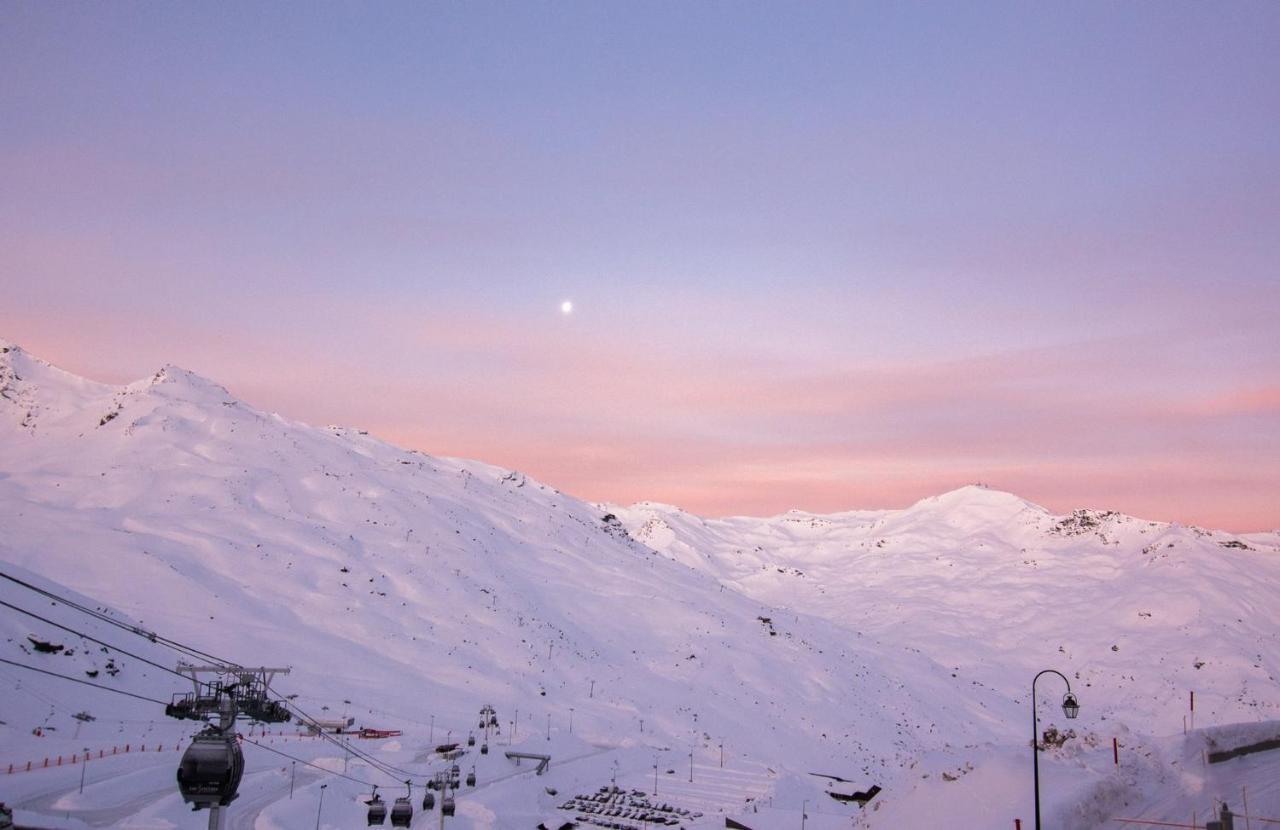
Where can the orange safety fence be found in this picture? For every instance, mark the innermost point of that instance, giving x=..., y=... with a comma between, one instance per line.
x=127, y=749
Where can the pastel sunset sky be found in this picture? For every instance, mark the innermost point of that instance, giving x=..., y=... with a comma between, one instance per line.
x=821, y=256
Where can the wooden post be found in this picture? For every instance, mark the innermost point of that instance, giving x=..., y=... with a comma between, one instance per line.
x=1115, y=750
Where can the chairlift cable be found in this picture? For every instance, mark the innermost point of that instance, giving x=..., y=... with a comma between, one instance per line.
x=94, y=640
x=308, y=763
x=383, y=767
x=376, y=763
x=173, y=645
x=84, y=682
x=388, y=769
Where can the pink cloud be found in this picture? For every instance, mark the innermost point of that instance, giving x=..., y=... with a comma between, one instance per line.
x=588, y=411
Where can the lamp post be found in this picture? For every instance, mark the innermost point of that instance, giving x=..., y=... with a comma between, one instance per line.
x=1070, y=708
x=82, y=766
x=570, y=720
x=321, y=807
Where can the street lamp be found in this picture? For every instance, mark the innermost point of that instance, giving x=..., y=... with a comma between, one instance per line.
x=1070, y=708
x=321, y=807
x=82, y=766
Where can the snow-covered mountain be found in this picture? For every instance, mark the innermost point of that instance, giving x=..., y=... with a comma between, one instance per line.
x=889, y=646
x=997, y=588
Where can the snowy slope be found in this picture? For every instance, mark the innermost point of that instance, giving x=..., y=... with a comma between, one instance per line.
x=998, y=588
x=893, y=645
x=426, y=586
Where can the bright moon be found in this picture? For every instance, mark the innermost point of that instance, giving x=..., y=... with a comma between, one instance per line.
x=566, y=307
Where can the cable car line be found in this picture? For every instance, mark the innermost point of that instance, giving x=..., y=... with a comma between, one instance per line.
x=211, y=768
x=81, y=634
x=373, y=762
x=387, y=769
x=84, y=682
x=308, y=763
x=133, y=629
x=382, y=766
x=180, y=647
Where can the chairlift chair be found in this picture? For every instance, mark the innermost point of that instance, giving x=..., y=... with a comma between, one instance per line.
x=210, y=771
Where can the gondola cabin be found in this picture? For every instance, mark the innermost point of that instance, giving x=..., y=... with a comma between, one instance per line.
x=210, y=771
x=401, y=813
x=377, y=811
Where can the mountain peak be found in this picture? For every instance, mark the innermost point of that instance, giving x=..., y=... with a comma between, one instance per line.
x=976, y=494
x=973, y=505
x=177, y=382
x=38, y=387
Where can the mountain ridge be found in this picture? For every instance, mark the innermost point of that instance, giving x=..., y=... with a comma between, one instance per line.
x=170, y=377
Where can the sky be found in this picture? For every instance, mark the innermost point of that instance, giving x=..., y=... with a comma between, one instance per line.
x=821, y=256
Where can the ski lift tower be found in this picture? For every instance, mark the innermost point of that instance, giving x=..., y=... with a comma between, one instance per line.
x=232, y=692
x=488, y=719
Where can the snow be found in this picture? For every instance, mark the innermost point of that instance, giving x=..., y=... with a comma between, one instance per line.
x=888, y=647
